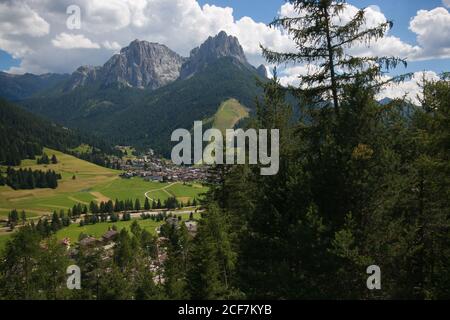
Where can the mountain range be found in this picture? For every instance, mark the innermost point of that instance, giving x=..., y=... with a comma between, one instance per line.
x=143, y=93
x=17, y=87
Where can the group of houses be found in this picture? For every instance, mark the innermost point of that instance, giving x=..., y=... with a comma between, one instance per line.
x=154, y=169
x=107, y=243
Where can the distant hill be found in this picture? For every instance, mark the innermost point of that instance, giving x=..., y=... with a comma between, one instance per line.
x=17, y=87
x=23, y=135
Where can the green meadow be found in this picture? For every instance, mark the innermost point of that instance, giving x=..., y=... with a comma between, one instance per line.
x=97, y=230
x=229, y=114
x=3, y=240
x=83, y=182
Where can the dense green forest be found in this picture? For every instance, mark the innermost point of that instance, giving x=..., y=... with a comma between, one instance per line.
x=23, y=136
x=29, y=179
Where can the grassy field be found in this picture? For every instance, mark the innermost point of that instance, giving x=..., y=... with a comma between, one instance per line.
x=229, y=114
x=97, y=230
x=3, y=239
x=136, y=188
x=84, y=148
x=69, y=192
x=91, y=183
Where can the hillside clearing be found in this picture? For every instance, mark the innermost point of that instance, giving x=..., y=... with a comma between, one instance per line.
x=229, y=114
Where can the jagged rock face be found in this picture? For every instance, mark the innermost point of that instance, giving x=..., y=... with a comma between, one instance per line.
x=140, y=65
x=148, y=65
x=215, y=48
x=262, y=71
x=84, y=75
x=143, y=65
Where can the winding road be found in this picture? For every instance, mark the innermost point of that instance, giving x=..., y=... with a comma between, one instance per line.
x=160, y=189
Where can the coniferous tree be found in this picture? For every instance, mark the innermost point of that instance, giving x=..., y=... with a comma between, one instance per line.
x=16, y=270
x=23, y=217
x=137, y=205
x=323, y=40
x=147, y=204
x=44, y=159
x=212, y=259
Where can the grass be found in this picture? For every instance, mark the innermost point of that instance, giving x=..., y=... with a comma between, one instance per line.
x=84, y=148
x=136, y=188
x=128, y=152
x=30, y=214
x=229, y=114
x=92, y=183
x=97, y=230
x=69, y=191
x=127, y=188
x=3, y=240
x=187, y=190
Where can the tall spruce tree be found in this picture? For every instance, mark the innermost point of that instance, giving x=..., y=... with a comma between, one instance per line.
x=322, y=40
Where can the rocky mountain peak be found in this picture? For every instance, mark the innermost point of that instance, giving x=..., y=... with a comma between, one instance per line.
x=222, y=45
x=143, y=65
x=140, y=65
x=149, y=65
x=262, y=71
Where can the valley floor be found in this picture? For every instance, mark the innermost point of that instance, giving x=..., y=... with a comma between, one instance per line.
x=83, y=182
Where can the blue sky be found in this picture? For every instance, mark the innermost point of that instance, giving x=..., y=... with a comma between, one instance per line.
x=47, y=45
x=6, y=61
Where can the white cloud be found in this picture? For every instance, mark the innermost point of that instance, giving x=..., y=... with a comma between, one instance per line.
x=113, y=46
x=433, y=37
x=290, y=75
x=110, y=25
x=36, y=32
x=433, y=33
x=18, y=24
x=17, y=19
x=73, y=41
x=386, y=46
x=411, y=89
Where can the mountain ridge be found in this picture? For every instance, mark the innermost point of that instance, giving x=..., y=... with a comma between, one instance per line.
x=119, y=103
x=141, y=64
x=15, y=87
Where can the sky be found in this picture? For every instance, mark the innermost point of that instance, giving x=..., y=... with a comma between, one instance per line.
x=39, y=36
